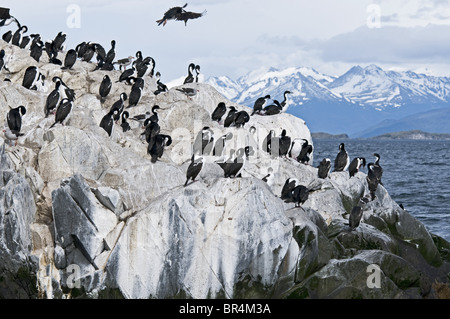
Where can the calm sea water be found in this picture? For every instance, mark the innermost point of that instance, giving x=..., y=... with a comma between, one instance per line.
x=416, y=173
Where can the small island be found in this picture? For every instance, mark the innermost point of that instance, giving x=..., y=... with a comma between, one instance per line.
x=413, y=135
x=327, y=136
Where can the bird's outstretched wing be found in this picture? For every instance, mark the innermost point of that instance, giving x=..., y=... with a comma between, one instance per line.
x=171, y=14
x=187, y=15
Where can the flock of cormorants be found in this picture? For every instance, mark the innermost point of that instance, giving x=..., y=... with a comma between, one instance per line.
x=60, y=102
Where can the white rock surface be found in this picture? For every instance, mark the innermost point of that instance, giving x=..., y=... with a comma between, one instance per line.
x=81, y=198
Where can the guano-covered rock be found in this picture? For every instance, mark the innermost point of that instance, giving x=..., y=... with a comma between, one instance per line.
x=87, y=214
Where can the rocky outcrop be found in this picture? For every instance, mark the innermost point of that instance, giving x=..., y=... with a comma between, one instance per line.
x=85, y=214
x=17, y=213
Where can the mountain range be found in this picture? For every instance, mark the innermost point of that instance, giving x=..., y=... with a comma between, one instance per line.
x=362, y=102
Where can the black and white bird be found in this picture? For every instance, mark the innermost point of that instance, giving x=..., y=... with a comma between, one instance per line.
x=7, y=36
x=204, y=142
x=127, y=75
x=107, y=122
x=324, y=168
x=119, y=105
x=190, y=77
x=259, y=104
x=141, y=118
x=220, y=145
x=135, y=95
x=374, y=174
x=36, y=47
x=229, y=119
x=272, y=109
x=58, y=42
x=109, y=59
x=197, y=72
x=277, y=145
x=88, y=52
x=234, y=168
x=377, y=164
x=2, y=59
x=305, y=153
x=356, y=214
x=52, y=100
x=152, y=129
x=64, y=90
x=160, y=87
x=342, y=160
x=284, y=102
x=188, y=15
x=157, y=149
x=123, y=63
x=218, y=112
x=286, y=191
x=189, y=92
x=63, y=111
x=138, y=59
x=137, y=82
x=150, y=116
x=100, y=51
x=284, y=143
x=194, y=168
x=70, y=59
x=241, y=118
x=102, y=65
x=14, y=118
x=125, y=125
x=105, y=88
x=154, y=116
x=299, y=195
x=52, y=53
x=293, y=192
x=355, y=165
x=355, y=217
x=25, y=42
x=179, y=14
x=146, y=67
x=6, y=18
x=81, y=49
x=171, y=14
x=33, y=79
x=303, y=149
x=267, y=142
x=18, y=35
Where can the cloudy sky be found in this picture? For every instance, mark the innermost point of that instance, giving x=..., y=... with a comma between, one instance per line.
x=238, y=36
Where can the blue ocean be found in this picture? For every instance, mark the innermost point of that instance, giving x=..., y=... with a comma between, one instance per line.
x=416, y=173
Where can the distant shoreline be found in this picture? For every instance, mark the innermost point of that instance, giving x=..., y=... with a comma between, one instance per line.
x=402, y=135
x=327, y=136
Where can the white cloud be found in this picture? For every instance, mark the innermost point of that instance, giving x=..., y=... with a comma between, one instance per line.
x=237, y=36
x=414, y=12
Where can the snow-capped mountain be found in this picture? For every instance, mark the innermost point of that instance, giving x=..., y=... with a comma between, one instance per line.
x=359, y=98
x=375, y=87
x=304, y=83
